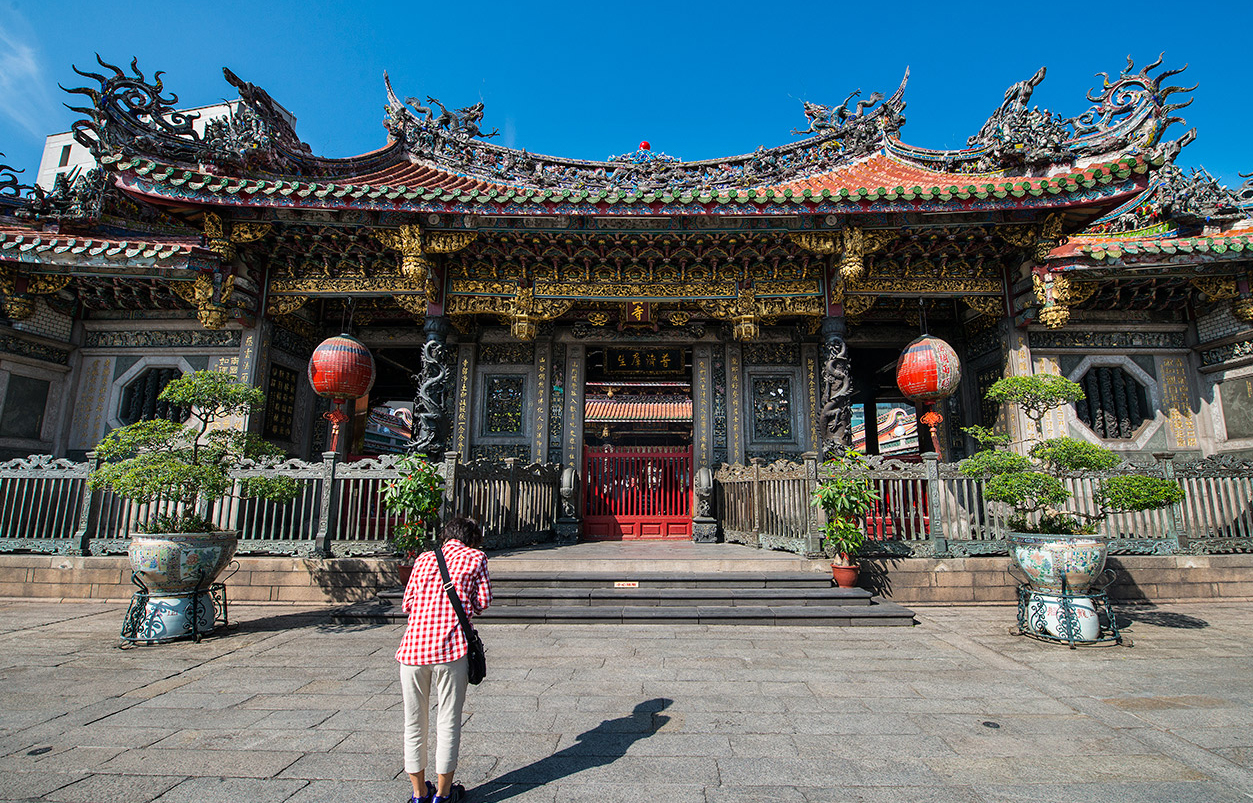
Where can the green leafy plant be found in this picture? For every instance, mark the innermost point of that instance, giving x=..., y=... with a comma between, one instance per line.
x=845, y=494
x=1031, y=484
x=417, y=494
x=184, y=468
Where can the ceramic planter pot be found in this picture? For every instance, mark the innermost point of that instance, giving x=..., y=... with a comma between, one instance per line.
x=176, y=562
x=844, y=576
x=177, y=569
x=1078, y=620
x=1058, y=563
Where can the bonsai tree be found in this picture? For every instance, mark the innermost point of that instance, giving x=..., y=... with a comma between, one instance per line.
x=187, y=465
x=1030, y=484
x=844, y=492
x=417, y=494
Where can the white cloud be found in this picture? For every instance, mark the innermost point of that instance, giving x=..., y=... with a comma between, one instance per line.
x=25, y=98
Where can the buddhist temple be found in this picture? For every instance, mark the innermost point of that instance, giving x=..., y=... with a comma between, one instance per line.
x=683, y=315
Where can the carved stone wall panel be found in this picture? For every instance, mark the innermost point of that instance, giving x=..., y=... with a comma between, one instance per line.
x=90, y=406
x=1176, y=402
x=556, y=402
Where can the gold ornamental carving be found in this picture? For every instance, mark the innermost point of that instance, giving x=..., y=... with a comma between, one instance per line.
x=1039, y=239
x=45, y=284
x=19, y=306
x=858, y=244
x=1217, y=288
x=1056, y=293
x=910, y=286
x=249, y=232
x=1242, y=308
x=447, y=242
x=413, y=262
x=285, y=305
x=589, y=290
x=414, y=305
x=212, y=313
x=986, y=305
x=857, y=306
x=598, y=318
x=816, y=242
x=339, y=285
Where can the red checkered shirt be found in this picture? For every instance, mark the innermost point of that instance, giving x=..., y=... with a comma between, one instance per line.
x=433, y=635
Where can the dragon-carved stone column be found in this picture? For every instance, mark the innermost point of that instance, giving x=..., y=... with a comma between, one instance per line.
x=430, y=417
x=837, y=388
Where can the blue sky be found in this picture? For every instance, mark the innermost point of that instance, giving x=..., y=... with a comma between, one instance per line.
x=587, y=80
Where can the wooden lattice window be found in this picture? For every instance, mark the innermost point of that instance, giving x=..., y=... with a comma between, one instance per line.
x=140, y=402
x=1115, y=403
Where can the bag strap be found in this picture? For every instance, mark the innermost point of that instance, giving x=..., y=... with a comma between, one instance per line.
x=452, y=594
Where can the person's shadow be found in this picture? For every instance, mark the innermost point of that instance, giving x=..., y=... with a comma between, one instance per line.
x=603, y=744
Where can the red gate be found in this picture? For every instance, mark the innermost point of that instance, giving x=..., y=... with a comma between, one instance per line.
x=643, y=492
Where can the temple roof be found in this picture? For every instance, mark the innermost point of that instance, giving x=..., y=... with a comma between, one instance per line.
x=439, y=159
x=23, y=244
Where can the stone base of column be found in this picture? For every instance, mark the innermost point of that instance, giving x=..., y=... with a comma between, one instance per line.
x=704, y=531
x=568, y=531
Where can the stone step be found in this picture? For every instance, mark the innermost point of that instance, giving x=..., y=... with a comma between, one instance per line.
x=629, y=565
x=879, y=614
x=567, y=577
x=678, y=596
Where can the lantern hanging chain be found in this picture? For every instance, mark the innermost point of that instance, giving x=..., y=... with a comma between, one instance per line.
x=922, y=314
x=345, y=318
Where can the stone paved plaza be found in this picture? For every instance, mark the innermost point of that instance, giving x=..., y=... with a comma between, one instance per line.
x=286, y=707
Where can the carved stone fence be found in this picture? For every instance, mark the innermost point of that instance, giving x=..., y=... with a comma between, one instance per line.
x=929, y=509
x=45, y=506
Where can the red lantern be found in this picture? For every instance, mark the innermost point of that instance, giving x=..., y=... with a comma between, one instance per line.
x=928, y=370
x=341, y=368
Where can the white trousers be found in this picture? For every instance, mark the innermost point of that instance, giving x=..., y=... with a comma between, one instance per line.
x=449, y=681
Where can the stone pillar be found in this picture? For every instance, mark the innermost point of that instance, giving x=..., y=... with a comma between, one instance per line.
x=570, y=525
x=735, y=403
x=429, y=417
x=465, y=399
x=702, y=406
x=543, y=390
x=837, y=388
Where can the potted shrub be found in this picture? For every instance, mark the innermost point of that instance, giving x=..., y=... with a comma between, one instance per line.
x=1056, y=548
x=416, y=495
x=181, y=471
x=845, y=494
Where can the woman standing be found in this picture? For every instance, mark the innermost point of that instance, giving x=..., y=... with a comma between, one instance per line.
x=432, y=655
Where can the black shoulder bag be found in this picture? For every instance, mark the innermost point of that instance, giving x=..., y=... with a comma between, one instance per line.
x=476, y=660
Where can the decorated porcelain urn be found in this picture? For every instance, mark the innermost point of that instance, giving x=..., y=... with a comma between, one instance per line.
x=1058, y=563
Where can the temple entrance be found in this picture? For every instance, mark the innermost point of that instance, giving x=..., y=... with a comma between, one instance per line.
x=638, y=444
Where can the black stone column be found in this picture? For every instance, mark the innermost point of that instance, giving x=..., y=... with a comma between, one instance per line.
x=837, y=388
x=430, y=417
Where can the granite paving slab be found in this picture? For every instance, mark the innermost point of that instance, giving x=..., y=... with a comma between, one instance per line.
x=287, y=706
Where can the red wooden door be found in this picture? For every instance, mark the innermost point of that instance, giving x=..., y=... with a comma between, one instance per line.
x=638, y=493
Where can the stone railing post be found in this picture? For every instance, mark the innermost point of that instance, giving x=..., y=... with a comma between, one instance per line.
x=1176, y=536
x=328, y=506
x=452, y=470
x=510, y=524
x=931, y=475
x=759, y=501
x=89, y=510
x=815, y=516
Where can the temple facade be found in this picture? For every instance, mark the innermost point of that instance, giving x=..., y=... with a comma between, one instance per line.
x=683, y=314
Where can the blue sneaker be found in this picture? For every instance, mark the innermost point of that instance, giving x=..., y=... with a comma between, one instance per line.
x=456, y=794
x=427, y=798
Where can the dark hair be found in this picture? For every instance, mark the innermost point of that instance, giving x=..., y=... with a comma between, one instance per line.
x=463, y=529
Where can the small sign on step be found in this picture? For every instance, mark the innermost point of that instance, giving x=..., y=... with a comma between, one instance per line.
x=626, y=584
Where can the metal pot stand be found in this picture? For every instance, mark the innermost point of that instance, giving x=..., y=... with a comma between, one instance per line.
x=145, y=622
x=1068, y=619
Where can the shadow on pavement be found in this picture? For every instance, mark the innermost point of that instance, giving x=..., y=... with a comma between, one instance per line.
x=604, y=744
x=1148, y=616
